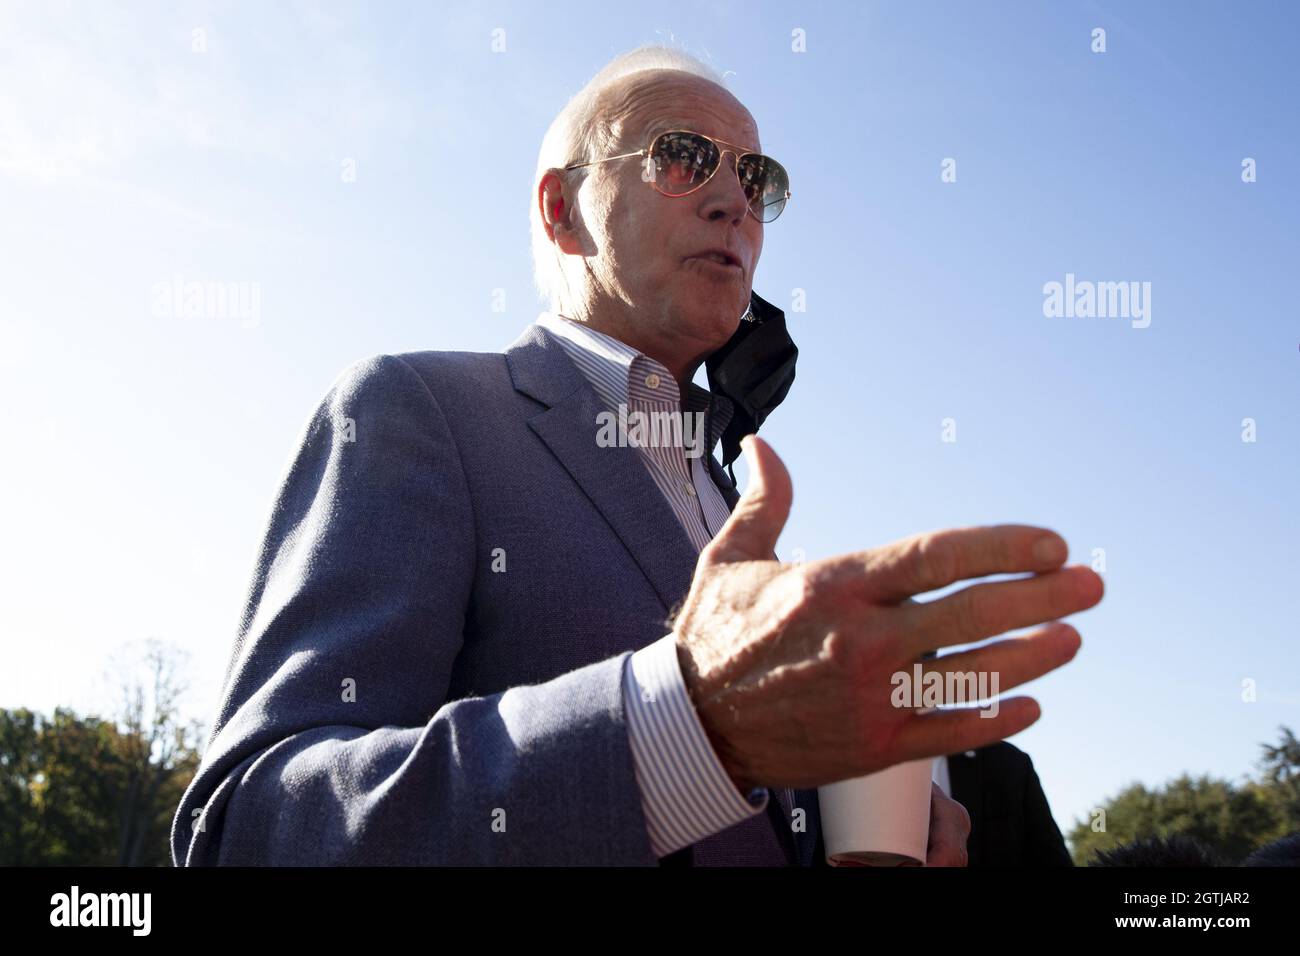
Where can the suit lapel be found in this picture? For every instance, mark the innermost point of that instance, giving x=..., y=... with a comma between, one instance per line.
x=615, y=479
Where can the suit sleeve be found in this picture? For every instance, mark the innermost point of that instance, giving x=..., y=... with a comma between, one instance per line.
x=335, y=743
x=1043, y=843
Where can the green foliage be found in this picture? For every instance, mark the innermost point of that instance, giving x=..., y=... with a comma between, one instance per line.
x=83, y=791
x=1281, y=769
x=1233, y=819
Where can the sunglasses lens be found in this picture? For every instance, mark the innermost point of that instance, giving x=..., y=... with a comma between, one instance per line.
x=766, y=184
x=682, y=162
x=685, y=161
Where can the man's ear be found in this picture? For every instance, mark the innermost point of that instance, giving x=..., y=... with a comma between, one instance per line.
x=557, y=208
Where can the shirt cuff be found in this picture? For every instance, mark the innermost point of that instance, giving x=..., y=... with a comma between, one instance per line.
x=685, y=791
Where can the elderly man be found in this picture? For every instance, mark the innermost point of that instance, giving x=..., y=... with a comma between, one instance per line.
x=460, y=645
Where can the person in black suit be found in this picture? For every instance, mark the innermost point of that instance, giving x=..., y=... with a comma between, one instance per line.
x=1010, y=821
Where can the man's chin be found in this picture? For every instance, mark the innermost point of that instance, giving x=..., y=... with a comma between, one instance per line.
x=712, y=325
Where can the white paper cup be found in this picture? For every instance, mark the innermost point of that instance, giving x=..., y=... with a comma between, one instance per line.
x=882, y=819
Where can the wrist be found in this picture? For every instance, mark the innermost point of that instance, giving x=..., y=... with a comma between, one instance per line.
x=691, y=678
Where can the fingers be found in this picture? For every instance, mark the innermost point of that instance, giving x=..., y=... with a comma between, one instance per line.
x=1012, y=662
x=936, y=559
x=751, y=532
x=952, y=731
x=985, y=610
x=949, y=830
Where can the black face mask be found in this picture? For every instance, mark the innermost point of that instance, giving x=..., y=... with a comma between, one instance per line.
x=755, y=370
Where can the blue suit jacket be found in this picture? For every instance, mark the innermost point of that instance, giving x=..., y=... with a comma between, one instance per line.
x=393, y=699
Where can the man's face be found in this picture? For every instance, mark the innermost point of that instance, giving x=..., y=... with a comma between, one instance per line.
x=646, y=241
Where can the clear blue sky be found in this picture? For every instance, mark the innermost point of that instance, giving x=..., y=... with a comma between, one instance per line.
x=142, y=451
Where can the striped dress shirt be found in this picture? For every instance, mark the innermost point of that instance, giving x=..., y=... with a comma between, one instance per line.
x=685, y=792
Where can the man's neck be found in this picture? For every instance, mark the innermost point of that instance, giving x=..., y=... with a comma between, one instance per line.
x=682, y=370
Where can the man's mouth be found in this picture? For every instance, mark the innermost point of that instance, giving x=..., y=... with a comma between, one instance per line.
x=720, y=256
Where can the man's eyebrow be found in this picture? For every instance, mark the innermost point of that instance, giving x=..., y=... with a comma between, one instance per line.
x=657, y=126
x=664, y=125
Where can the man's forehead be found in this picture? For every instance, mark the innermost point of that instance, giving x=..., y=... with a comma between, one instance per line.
x=652, y=103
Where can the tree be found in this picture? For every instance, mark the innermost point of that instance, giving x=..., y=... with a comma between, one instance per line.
x=83, y=791
x=20, y=776
x=1233, y=819
x=154, y=751
x=1281, y=770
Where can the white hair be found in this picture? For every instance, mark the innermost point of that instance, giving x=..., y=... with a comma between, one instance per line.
x=581, y=132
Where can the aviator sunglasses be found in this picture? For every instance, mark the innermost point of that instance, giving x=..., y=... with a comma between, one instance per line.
x=679, y=162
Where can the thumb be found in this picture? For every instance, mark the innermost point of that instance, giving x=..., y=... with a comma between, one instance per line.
x=750, y=533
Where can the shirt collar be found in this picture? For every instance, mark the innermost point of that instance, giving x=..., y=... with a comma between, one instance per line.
x=617, y=370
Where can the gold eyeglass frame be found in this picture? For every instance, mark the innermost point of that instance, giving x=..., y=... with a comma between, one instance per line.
x=737, y=151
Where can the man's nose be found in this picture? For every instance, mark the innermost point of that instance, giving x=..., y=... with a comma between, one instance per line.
x=723, y=195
